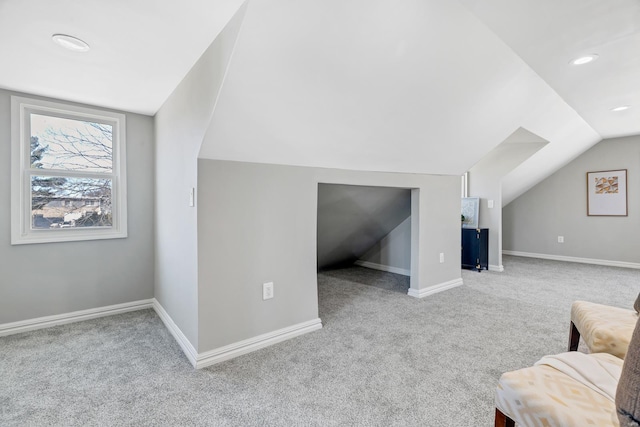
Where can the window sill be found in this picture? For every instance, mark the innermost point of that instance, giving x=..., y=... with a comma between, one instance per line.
x=60, y=236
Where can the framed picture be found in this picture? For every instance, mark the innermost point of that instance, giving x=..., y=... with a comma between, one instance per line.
x=470, y=209
x=607, y=193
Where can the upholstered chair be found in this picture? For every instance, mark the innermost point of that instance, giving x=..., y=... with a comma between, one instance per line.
x=603, y=328
x=576, y=389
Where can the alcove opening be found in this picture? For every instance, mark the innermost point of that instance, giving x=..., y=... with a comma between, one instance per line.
x=364, y=238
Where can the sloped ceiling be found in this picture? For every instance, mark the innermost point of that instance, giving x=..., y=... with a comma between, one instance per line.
x=417, y=86
x=523, y=136
x=424, y=86
x=140, y=50
x=547, y=35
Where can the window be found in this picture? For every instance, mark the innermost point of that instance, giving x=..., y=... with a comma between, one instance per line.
x=68, y=173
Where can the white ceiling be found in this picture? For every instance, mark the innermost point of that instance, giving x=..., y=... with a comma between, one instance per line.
x=420, y=86
x=523, y=136
x=548, y=34
x=140, y=50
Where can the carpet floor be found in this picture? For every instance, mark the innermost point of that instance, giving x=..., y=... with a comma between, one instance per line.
x=381, y=359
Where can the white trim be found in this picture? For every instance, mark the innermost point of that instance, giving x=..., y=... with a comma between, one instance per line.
x=197, y=360
x=74, y=316
x=498, y=268
x=421, y=293
x=184, y=343
x=594, y=261
x=387, y=268
x=247, y=346
x=21, y=170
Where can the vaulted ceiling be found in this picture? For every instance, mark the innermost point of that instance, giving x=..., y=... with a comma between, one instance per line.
x=547, y=35
x=421, y=86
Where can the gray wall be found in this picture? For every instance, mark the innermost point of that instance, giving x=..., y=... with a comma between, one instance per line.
x=351, y=219
x=257, y=223
x=180, y=126
x=53, y=278
x=394, y=249
x=485, y=182
x=557, y=207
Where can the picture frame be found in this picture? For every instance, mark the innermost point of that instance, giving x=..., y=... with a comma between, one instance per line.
x=607, y=193
x=470, y=210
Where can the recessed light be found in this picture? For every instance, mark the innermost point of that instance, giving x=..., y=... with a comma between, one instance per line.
x=621, y=108
x=584, y=59
x=70, y=42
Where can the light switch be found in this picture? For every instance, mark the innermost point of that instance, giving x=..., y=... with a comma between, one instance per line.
x=490, y=204
x=192, y=197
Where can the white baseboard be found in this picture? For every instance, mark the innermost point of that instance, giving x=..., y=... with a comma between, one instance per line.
x=609, y=263
x=74, y=316
x=381, y=267
x=498, y=268
x=197, y=360
x=211, y=357
x=421, y=293
x=246, y=346
x=184, y=343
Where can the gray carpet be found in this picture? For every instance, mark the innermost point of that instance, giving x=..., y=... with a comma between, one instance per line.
x=382, y=358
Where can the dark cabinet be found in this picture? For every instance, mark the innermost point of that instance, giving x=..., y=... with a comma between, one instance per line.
x=475, y=248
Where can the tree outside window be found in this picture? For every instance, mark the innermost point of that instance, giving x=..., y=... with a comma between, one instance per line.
x=72, y=174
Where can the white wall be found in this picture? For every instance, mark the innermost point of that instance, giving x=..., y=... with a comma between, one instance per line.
x=558, y=207
x=39, y=280
x=485, y=182
x=179, y=128
x=257, y=223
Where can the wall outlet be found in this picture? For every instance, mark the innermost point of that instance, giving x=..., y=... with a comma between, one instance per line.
x=560, y=239
x=267, y=291
x=441, y=257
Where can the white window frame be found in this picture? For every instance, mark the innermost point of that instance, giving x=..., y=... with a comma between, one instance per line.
x=21, y=171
